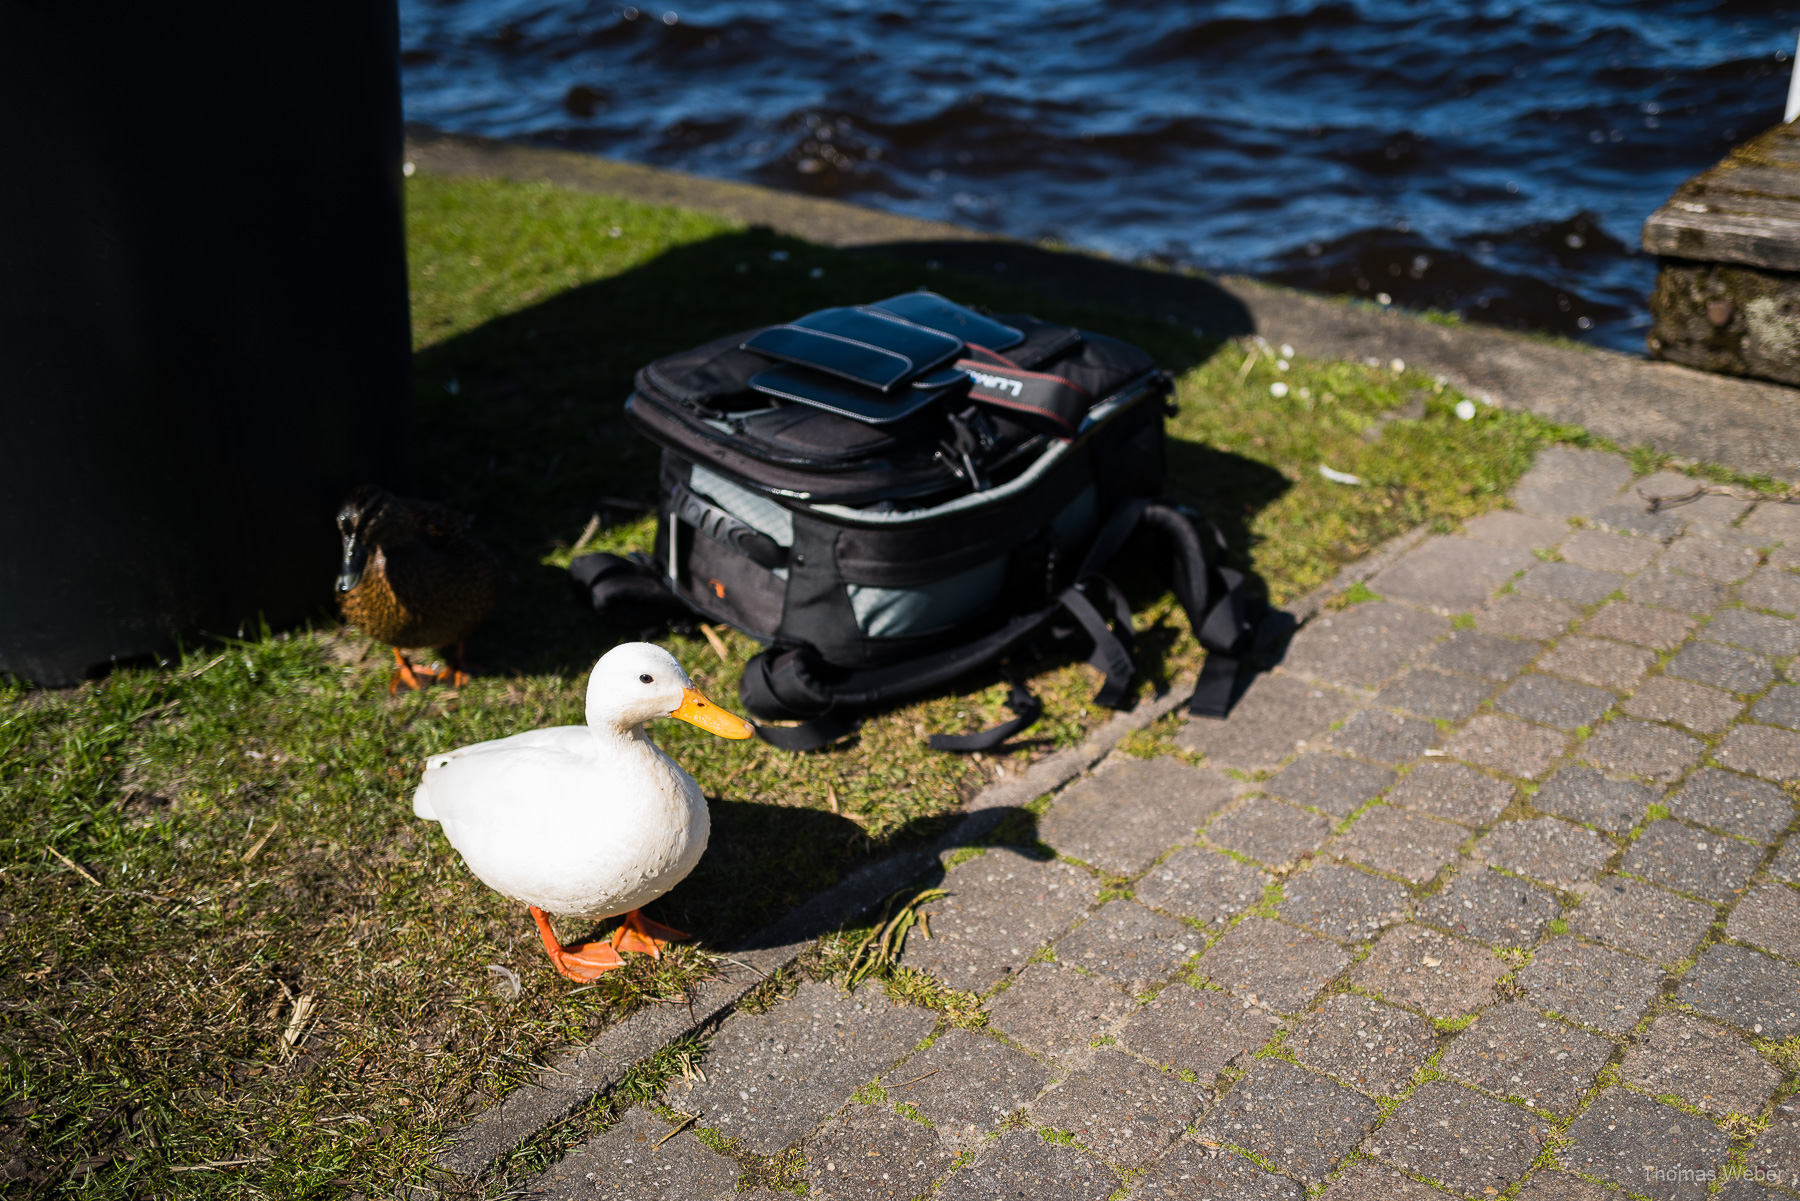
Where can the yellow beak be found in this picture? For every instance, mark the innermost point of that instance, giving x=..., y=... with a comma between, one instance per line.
x=701, y=712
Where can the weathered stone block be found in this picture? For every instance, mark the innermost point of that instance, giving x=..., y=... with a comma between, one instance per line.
x=1634, y=517
x=1567, y=582
x=1772, y=588
x=1504, y=527
x=1293, y=1117
x=1513, y=1051
x=1374, y=1048
x=1002, y=906
x=1775, y=521
x=1052, y=1009
x=1124, y=817
x=626, y=1162
x=1595, y=661
x=1570, y=483
x=1588, y=796
x=1769, y=918
x=1373, y=1182
x=1272, y=964
x=1639, y=748
x=1195, y=882
x=1721, y=666
x=1764, y=751
x=1128, y=943
x=1559, y=1186
x=1527, y=617
x=1343, y=902
x=1645, y=1146
x=1787, y=863
x=1198, y=1031
x=1709, y=558
x=1641, y=919
x=1384, y=737
x=1422, y=969
x=1450, y=574
x=1020, y=1164
x=1122, y=1110
x=1192, y=1172
x=1277, y=715
x=1269, y=831
x=1692, y=861
x=1492, y=907
x=1750, y=808
x=1745, y=988
x=1410, y=845
x=866, y=1153
x=1609, y=552
x=1557, y=852
x=1695, y=706
x=1453, y=1134
x=1590, y=985
x=1780, y=708
x=1509, y=746
x=1760, y=632
x=973, y=1081
x=1709, y=1068
x=1626, y=622
x=1554, y=702
x=1434, y=694
x=1331, y=782
x=1363, y=646
x=1671, y=590
x=1478, y=653
x=1454, y=791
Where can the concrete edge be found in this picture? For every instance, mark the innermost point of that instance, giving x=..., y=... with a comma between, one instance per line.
x=579, y=1075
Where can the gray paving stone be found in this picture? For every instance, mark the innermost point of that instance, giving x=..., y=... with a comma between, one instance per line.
x=1364, y=646
x=1643, y=749
x=1492, y=907
x=1646, y=1146
x=1664, y=698
x=1764, y=751
x=1422, y=969
x=869, y=1153
x=1478, y=653
x=1745, y=988
x=1780, y=708
x=1021, y=1164
x=1772, y=588
x=1581, y=792
x=1721, y=666
x=1434, y=694
x=1384, y=737
x=1192, y=1172
x=1055, y=1010
x=1644, y=920
x=1738, y=805
x=1776, y=636
x=1596, y=661
x=1554, y=702
x=1623, y=621
x=1367, y=1181
x=1450, y=574
x=1711, y=1069
x=1775, y=1156
x=1002, y=906
x=1556, y=852
x=1454, y=1134
x=770, y=1077
x=1505, y=527
x=1768, y=918
x=1692, y=861
x=1746, y=1189
x=1526, y=617
x=1775, y=520
x=1122, y=1110
x=1713, y=512
x=1514, y=1051
x=624, y=1162
x=1292, y=1117
x=1343, y=902
x=1128, y=943
x=1567, y=582
x=1671, y=590
x=1276, y=715
x=1123, y=818
x=1509, y=746
x=965, y=1083
x=1633, y=517
x=1197, y=1030
x=1272, y=964
x=1559, y=1186
x=1609, y=552
x=1195, y=882
x=1410, y=845
x=1374, y=1048
x=1454, y=791
x=1331, y=782
x=1590, y=985
x=1571, y=483
x=1709, y=559
x=1269, y=831
x=1787, y=864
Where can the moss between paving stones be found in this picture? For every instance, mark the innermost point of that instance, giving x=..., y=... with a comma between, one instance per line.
x=244, y=808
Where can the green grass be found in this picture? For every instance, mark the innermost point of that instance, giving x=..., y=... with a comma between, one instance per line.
x=240, y=817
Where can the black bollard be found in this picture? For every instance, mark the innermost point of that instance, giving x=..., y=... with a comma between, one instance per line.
x=204, y=339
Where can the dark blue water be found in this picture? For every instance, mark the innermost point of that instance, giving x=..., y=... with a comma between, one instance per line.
x=1488, y=157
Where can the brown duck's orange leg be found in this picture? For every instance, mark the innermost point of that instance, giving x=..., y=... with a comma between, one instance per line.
x=639, y=933
x=458, y=669
x=406, y=673
x=584, y=962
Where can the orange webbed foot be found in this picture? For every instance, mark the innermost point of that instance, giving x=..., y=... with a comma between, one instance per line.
x=583, y=962
x=405, y=673
x=641, y=934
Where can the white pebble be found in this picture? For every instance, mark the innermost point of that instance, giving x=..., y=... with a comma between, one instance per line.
x=407, y=169
x=1339, y=477
x=1282, y=364
x=1398, y=365
x=1465, y=409
x=1278, y=390
x=1383, y=298
x=1287, y=352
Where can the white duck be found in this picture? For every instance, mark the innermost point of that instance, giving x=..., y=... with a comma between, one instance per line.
x=590, y=821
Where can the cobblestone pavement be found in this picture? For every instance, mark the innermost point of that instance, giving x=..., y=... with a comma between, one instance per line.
x=1486, y=891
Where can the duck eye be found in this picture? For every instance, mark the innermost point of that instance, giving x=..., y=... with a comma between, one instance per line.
x=646, y=678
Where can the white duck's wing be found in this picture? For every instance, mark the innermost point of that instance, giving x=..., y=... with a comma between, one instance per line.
x=448, y=775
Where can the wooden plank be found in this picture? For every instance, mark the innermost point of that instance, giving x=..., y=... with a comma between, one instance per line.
x=1705, y=200
x=1756, y=181
x=1744, y=210
x=1766, y=242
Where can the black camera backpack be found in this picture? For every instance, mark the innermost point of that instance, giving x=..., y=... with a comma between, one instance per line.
x=885, y=514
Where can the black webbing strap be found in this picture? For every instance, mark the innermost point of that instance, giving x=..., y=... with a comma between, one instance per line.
x=1026, y=710
x=1214, y=599
x=810, y=734
x=1112, y=655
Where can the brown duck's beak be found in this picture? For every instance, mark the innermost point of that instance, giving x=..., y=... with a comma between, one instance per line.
x=696, y=709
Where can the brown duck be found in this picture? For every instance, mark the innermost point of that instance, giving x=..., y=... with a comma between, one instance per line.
x=413, y=577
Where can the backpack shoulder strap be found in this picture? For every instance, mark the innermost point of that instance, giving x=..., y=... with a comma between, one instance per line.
x=1213, y=596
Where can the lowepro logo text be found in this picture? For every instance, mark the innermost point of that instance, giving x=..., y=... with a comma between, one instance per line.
x=997, y=383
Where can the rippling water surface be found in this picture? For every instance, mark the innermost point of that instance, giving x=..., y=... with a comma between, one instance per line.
x=1492, y=158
